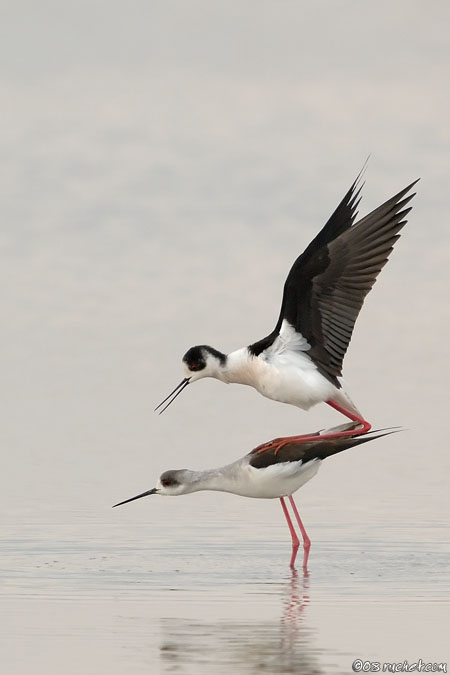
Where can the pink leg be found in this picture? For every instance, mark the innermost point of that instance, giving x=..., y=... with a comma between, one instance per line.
x=279, y=442
x=306, y=539
x=295, y=541
x=364, y=427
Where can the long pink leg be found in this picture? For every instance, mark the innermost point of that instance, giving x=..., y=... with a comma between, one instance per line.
x=295, y=541
x=364, y=427
x=306, y=539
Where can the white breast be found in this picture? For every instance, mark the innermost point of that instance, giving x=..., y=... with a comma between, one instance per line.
x=284, y=372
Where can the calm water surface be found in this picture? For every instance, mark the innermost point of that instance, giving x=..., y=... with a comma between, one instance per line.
x=84, y=596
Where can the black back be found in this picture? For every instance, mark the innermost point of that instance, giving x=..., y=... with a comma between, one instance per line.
x=306, y=451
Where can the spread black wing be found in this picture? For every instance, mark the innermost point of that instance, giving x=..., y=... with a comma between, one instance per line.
x=325, y=289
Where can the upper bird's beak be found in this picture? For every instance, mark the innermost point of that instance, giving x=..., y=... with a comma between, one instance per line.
x=144, y=494
x=178, y=389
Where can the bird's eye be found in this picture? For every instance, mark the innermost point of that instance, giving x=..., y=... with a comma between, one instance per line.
x=168, y=482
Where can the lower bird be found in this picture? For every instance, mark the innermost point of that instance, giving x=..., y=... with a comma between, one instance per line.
x=268, y=474
x=300, y=361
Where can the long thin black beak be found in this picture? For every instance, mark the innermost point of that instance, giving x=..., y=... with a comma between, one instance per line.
x=178, y=389
x=144, y=494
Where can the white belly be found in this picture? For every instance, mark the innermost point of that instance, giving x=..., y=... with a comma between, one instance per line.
x=285, y=375
x=279, y=480
x=294, y=380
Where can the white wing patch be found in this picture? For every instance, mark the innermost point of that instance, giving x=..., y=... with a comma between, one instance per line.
x=289, y=341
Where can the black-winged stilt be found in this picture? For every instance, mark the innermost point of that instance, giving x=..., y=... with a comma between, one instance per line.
x=267, y=474
x=301, y=360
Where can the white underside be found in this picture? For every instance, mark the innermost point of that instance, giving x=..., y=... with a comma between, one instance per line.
x=285, y=372
x=279, y=480
x=240, y=478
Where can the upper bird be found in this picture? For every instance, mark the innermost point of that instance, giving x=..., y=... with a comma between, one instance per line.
x=300, y=361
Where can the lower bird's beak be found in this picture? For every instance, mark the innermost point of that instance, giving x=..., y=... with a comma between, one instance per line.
x=178, y=389
x=144, y=494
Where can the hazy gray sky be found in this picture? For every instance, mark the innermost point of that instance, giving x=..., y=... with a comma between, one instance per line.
x=163, y=164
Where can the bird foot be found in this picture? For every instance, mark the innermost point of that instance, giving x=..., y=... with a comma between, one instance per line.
x=277, y=443
x=347, y=429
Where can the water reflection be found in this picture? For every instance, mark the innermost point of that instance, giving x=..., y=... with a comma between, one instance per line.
x=281, y=646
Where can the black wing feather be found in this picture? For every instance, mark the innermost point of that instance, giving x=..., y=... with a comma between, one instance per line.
x=305, y=452
x=326, y=287
x=342, y=218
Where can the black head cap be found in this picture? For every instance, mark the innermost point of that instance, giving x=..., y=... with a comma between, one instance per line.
x=195, y=357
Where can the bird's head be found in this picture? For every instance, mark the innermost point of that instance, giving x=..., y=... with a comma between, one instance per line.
x=200, y=361
x=170, y=484
x=174, y=482
x=203, y=361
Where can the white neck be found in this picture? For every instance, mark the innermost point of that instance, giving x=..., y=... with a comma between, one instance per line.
x=212, y=479
x=241, y=367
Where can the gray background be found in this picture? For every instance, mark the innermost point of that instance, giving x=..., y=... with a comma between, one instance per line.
x=163, y=163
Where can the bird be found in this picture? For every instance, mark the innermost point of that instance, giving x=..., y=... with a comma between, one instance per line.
x=268, y=474
x=300, y=361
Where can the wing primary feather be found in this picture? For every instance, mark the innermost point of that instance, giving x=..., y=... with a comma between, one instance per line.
x=327, y=284
x=314, y=449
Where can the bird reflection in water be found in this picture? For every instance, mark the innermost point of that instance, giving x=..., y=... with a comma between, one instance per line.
x=295, y=602
x=281, y=645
